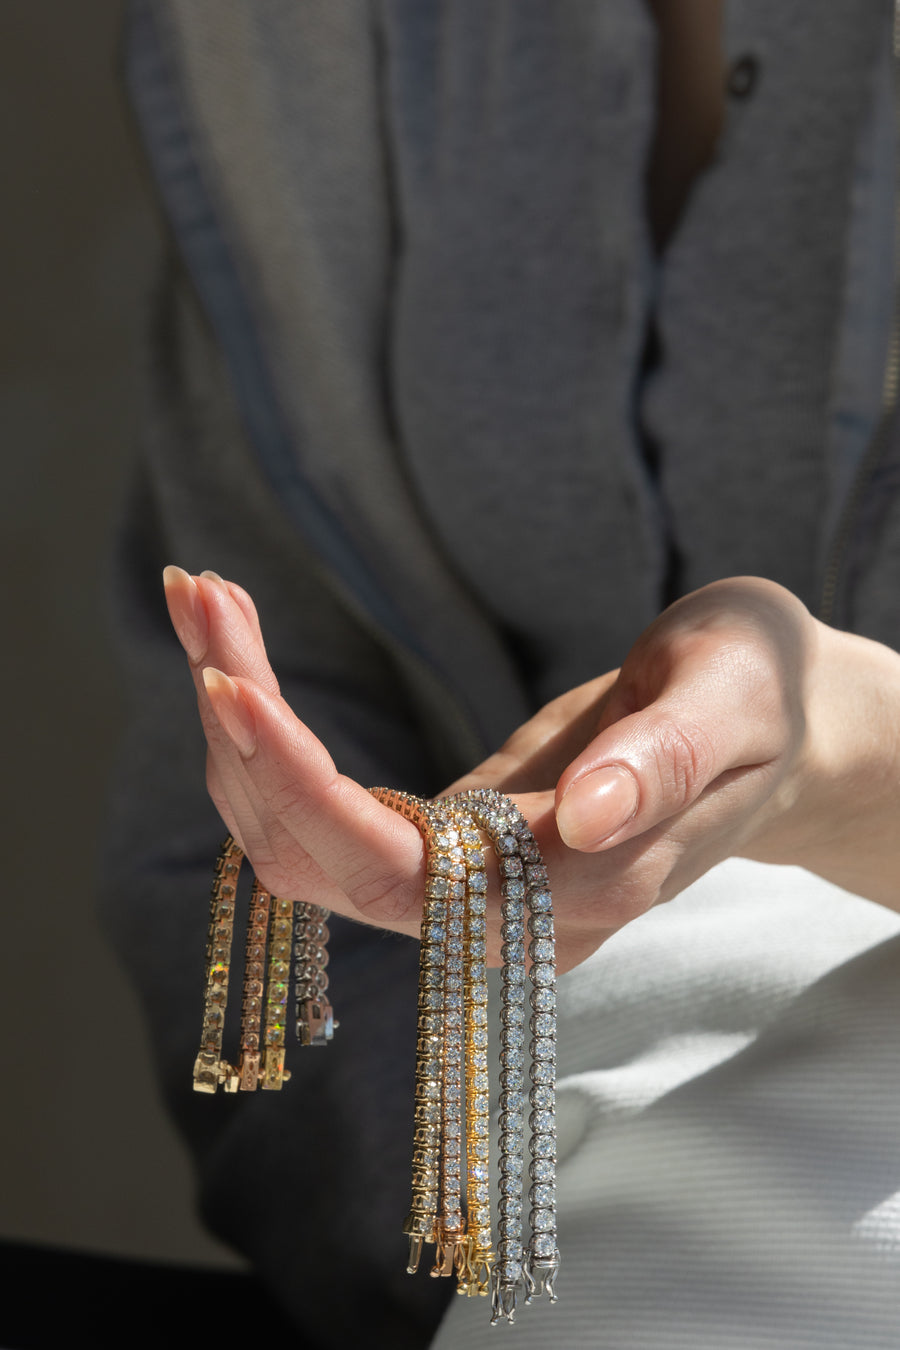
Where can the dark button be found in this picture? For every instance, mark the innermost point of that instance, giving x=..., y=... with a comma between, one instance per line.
x=743, y=76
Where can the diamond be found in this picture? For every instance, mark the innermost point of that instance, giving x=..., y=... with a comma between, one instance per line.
x=476, y=948
x=511, y=867
x=543, y=1000
x=541, y=902
x=513, y=1015
x=479, y=1060
x=542, y=949
x=512, y=1101
x=543, y=1220
x=476, y=904
x=542, y=1122
x=478, y=881
x=513, y=953
x=541, y=925
x=536, y=874
x=479, y=1016
x=542, y=1097
x=513, y=911
x=511, y=1079
x=543, y=1072
x=543, y=1169
x=544, y=1245
x=513, y=974
x=543, y=974
x=481, y=1082
x=510, y=1206
x=543, y=1146
x=512, y=1058
x=479, y=1172
x=509, y=1228
x=543, y=1047
x=543, y=1194
x=514, y=889
x=510, y=1271
x=512, y=932
x=479, y=1038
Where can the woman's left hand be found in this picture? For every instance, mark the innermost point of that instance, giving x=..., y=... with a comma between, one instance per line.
x=738, y=725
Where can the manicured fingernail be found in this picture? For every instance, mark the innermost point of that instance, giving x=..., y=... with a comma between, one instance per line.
x=188, y=613
x=232, y=712
x=213, y=576
x=596, y=806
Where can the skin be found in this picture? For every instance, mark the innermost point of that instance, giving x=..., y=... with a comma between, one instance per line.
x=738, y=725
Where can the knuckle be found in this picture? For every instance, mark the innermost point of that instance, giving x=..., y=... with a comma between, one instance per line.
x=684, y=761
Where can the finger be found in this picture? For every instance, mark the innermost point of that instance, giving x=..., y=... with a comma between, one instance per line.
x=303, y=808
x=537, y=752
x=717, y=714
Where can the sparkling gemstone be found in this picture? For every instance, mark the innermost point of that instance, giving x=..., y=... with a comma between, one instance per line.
x=543, y=1194
x=477, y=904
x=514, y=888
x=429, y=1024
x=512, y=1101
x=481, y=1082
x=455, y=927
x=511, y=867
x=543, y=1047
x=476, y=926
x=479, y=1016
x=431, y=1113
x=543, y=1245
x=479, y=1148
x=541, y=925
x=480, y=1126
x=512, y=932
x=543, y=1146
x=510, y=1271
x=454, y=1017
x=479, y=1060
x=510, y=1206
x=513, y=975
x=513, y=953
x=543, y=1000
x=542, y=1122
x=512, y=1058
x=432, y=979
x=536, y=874
x=513, y=911
x=513, y=1015
x=543, y=974
x=506, y=844
x=457, y=889
x=543, y=1169
x=541, y=902
x=481, y=1192
x=455, y=947
x=543, y=1220
x=542, y=1097
x=542, y=949
x=436, y=888
x=480, y=1038
x=511, y=1079
x=479, y=1172
x=543, y=1072
x=478, y=881
x=453, y=983
x=543, y=1024
x=509, y=1228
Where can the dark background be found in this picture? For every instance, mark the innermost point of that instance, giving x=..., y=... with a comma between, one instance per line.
x=87, y=1158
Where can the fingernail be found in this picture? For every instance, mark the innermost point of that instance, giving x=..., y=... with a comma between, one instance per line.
x=213, y=576
x=187, y=612
x=596, y=806
x=232, y=712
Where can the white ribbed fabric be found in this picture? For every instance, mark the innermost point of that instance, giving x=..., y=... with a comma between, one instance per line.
x=729, y=1120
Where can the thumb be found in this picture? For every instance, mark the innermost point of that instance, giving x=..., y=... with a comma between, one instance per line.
x=653, y=764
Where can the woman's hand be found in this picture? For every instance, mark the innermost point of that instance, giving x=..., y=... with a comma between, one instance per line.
x=737, y=725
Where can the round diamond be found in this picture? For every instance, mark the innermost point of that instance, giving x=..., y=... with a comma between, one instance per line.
x=544, y=1146
x=543, y=1024
x=512, y=1101
x=543, y=1169
x=543, y=1047
x=543, y=1194
x=543, y=1072
x=542, y=974
x=542, y=949
x=513, y=1015
x=541, y=902
x=542, y=1122
x=543, y=1221
x=543, y=1000
x=541, y=925
x=514, y=974
x=544, y=1246
x=513, y=953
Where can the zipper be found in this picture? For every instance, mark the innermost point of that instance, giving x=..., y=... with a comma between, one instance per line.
x=890, y=387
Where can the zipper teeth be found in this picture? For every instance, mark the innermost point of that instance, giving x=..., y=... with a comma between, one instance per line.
x=890, y=386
